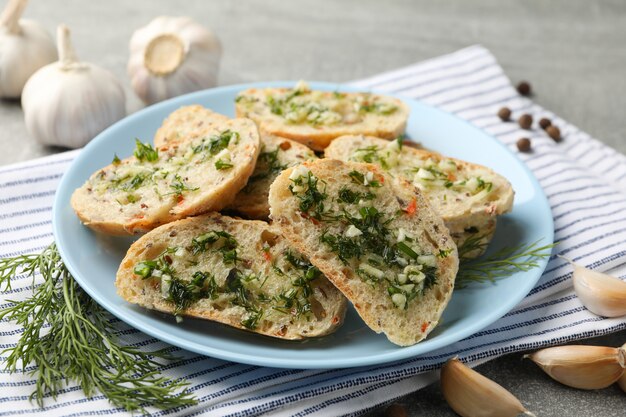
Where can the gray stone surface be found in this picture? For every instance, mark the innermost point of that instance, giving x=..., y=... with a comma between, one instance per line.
x=572, y=51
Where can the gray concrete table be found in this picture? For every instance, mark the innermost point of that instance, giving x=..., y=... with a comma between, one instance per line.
x=572, y=52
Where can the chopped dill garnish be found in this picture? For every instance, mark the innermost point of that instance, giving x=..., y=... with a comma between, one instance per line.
x=68, y=338
x=501, y=263
x=145, y=151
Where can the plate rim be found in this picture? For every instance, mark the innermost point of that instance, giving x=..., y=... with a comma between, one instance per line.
x=294, y=363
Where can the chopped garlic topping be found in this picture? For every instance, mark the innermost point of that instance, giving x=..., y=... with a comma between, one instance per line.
x=166, y=283
x=401, y=235
x=224, y=154
x=428, y=260
x=370, y=270
x=423, y=174
x=302, y=86
x=299, y=171
x=472, y=184
x=399, y=300
x=353, y=231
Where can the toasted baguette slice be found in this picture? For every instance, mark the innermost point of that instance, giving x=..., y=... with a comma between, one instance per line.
x=142, y=192
x=468, y=197
x=276, y=155
x=376, y=239
x=242, y=273
x=315, y=118
x=188, y=123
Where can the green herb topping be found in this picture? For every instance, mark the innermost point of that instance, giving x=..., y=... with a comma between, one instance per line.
x=145, y=152
x=220, y=164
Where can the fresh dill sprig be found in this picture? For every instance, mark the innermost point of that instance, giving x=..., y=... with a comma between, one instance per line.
x=68, y=337
x=499, y=264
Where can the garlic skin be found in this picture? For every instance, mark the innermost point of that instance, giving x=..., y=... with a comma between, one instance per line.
x=582, y=366
x=622, y=381
x=472, y=395
x=172, y=56
x=600, y=293
x=25, y=46
x=69, y=102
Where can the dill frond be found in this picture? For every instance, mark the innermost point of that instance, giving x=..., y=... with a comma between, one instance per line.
x=68, y=337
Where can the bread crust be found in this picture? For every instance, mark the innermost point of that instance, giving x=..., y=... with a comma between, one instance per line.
x=467, y=214
x=371, y=300
x=260, y=250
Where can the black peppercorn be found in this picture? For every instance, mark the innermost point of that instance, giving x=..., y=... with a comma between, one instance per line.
x=554, y=132
x=523, y=145
x=525, y=121
x=544, y=123
x=524, y=88
x=504, y=114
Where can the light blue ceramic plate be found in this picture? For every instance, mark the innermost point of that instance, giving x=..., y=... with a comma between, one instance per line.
x=93, y=259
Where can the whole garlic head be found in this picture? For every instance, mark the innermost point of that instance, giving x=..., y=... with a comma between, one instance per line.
x=68, y=102
x=25, y=46
x=172, y=56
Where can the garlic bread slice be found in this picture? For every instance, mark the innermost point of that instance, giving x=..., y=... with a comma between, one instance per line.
x=242, y=273
x=468, y=196
x=170, y=182
x=276, y=154
x=315, y=118
x=375, y=238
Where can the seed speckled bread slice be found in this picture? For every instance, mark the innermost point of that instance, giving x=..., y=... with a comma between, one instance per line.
x=315, y=118
x=276, y=154
x=242, y=273
x=468, y=197
x=176, y=180
x=375, y=238
x=188, y=122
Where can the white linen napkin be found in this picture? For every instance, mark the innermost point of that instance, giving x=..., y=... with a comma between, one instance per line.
x=585, y=182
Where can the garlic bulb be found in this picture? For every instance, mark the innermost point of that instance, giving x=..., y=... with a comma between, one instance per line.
x=472, y=395
x=68, y=102
x=25, y=46
x=172, y=56
x=581, y=366
x=602, y=294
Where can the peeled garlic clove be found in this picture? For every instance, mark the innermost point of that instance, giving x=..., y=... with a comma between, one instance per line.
x=622, y=381
x=69, y=102
x=600, y=293
x=25, y=46
x=172, y=56
x=472, y=395
x=581, y=366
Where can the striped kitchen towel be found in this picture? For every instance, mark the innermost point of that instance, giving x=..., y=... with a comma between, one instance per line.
x=585, y=182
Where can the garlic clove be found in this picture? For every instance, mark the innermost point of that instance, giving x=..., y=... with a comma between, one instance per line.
x=471, y=394
x=172, y=56
x=25, y=47
x=622, y=381
x=600, y=293
x=68, y=102
x=582, y=366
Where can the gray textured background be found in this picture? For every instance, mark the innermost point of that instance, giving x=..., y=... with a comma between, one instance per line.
x=573, y=52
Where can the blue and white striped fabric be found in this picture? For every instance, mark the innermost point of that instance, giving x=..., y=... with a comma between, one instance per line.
x=586, y=185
